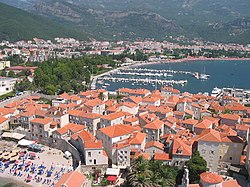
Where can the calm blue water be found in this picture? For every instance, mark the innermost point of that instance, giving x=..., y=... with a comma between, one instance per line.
x=222, y=74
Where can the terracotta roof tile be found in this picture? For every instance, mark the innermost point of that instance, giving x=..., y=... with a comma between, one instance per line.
x=209, y=135
x=114, y=116
x=230, y=117
x=211, y=178
x=71, y=179
x=42, y=121
x=154, y=144
x=84, y=135
x=230, y=183
x=93, y=144
x=67, y=127
x=2, y=119
x=181, y=148
x=117, y=130
x=156, y=124
x=162, y=156
x=138, y=138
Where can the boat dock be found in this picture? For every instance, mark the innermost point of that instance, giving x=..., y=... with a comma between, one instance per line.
x=146, y=80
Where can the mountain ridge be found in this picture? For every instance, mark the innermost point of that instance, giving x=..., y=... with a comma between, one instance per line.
x=213, y=20
x=16, y=24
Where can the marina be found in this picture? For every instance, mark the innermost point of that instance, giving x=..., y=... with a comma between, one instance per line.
x=146, y=81
x=191, y=76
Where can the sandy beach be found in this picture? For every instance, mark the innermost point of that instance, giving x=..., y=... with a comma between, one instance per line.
x=49, y=157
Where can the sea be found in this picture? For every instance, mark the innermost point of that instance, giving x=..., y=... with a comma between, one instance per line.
x=223, y=73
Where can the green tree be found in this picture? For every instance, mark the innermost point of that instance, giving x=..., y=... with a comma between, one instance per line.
x=196, y=166
x=50, y=89
x=11, y=74
x=146, y=173
x=227, y=111
x=3, y=73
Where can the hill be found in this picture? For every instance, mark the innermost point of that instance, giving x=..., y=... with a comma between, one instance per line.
x=213, y=20
x=16, y=24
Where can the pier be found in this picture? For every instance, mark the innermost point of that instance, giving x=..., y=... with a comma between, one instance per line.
x=146, y=80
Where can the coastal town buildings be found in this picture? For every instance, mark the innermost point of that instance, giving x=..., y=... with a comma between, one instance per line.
x=164, y=125
x=7, y=84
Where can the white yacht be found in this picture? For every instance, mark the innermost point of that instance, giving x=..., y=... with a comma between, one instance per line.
x=216, y=91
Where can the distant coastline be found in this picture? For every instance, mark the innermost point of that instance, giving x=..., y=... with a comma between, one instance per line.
x=188, y=59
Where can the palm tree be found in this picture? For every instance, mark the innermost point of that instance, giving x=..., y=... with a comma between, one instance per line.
x=144, y=173
x=139, y=173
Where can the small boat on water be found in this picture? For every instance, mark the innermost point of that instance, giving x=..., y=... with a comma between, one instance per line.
x=204, y=76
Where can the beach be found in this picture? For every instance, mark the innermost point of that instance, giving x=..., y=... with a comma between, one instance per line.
x=27, y=172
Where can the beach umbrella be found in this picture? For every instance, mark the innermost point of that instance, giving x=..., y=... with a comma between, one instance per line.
x=49, y=173
x=32, y=154
x=28, y=163
x=14, y=158
x=40, y=172
x=12, y=154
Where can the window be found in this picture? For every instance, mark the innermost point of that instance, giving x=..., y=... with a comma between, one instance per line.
x=90, y=160
x=99, y=152
x=89, y=154
x=220, y=157
x=211, y=152
x=231, y=158
x=125, y=152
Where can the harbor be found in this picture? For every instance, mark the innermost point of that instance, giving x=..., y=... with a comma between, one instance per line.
x=144, y=76
x=192, y=76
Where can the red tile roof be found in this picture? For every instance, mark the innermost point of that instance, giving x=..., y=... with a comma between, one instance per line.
x=162, y=156
x=205, y=124
x=42, y=121
x=181, y=148
x=209, y=135
x=71, y=179
x=230, y=117
x=84, y=135
x=118, y=130
x=93, y=144
x=138, y=138
x=113, y=116
x=156, y=124
x=211, y=178
x=230, y=183
x=154, y=144
x=2, y=119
